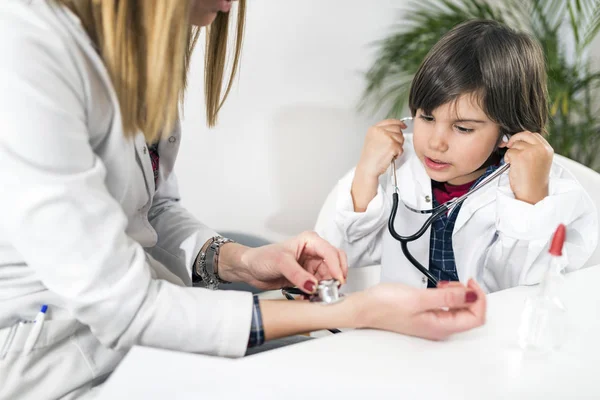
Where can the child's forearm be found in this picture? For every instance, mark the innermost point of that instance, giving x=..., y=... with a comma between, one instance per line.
x=364, y=189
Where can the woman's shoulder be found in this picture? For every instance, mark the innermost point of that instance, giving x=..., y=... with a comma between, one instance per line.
x=45, y=56
x=20, y=20
x=34, y=32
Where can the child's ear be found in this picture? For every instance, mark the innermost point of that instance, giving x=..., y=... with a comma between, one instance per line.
x=503, y=141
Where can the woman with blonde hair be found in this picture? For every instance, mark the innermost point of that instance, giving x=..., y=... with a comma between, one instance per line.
x=93, y=232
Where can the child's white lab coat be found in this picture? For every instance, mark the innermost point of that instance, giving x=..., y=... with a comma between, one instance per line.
x=498, y=240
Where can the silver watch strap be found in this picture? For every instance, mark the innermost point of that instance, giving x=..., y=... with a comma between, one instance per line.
x=207, y=263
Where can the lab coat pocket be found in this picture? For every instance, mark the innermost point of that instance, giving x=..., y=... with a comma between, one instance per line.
x=67, y=358
x=52, y=332
x=55, y=366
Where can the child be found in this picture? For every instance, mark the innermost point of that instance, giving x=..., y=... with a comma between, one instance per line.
x=479, y=99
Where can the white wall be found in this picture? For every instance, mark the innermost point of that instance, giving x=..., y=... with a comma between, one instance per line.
x=290, y=127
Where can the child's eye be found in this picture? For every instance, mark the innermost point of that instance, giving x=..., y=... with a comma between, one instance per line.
x=463, y=129
x=427, y=118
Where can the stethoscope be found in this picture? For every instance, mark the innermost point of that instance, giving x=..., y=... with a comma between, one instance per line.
x=435, y=213
x=326, y=292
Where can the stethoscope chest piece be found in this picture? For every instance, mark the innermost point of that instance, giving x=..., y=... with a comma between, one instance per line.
x=327, y=292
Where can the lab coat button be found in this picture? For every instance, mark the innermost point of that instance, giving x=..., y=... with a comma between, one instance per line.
x=172, y=139
x=423, y=280
x=428, y=199
x=144, y=149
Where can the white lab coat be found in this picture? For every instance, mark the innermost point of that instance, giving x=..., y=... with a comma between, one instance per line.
x=497, y=240
x=83, y=229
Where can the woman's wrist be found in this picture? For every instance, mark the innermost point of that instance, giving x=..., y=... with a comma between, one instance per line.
x=231, y=262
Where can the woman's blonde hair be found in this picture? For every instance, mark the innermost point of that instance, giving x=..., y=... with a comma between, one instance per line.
x=146, y=46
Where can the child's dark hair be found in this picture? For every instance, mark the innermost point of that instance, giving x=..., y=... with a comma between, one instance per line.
x=503, y=68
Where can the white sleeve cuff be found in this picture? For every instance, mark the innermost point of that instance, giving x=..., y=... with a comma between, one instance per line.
x=524, y=221
x=356, y=225
x=195, y=320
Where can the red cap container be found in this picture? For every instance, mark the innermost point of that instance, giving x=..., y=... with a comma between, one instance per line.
x=558, y=240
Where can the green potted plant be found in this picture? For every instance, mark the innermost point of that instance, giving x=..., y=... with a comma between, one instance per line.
x=564, y=28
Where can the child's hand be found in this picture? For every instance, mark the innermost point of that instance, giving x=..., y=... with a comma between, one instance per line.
x=383, y=143
x=530, y=158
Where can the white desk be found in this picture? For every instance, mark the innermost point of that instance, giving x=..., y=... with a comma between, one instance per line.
x=481, y=364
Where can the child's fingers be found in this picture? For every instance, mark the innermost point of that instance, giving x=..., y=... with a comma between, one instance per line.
x=526, y=136
x=510, y=154
x=392, y=128
x=391, y=122
x=398, y=137
x=520, y=145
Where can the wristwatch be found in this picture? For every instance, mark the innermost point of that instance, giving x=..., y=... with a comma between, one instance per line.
x=206, y=268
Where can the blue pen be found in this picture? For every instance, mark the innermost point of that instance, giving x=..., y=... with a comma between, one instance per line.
x=35, y=330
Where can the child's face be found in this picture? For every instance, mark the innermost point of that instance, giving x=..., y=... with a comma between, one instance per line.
x=455, y=140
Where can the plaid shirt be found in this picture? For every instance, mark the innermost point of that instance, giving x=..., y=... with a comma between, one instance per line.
x=441, y=254
x=257, y=331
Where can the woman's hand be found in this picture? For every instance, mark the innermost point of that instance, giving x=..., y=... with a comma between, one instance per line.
x=383, y=143
x=429, y=313
x=301, y=261
x=530, y=158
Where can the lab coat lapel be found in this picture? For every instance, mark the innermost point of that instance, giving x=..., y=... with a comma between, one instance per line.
x=145, y=163
x=478, y=200
x=419, y=195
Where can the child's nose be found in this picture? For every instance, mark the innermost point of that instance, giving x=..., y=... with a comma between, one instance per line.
x=438, y=140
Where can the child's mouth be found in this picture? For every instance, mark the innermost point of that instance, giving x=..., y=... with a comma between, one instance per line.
x=436, y=165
